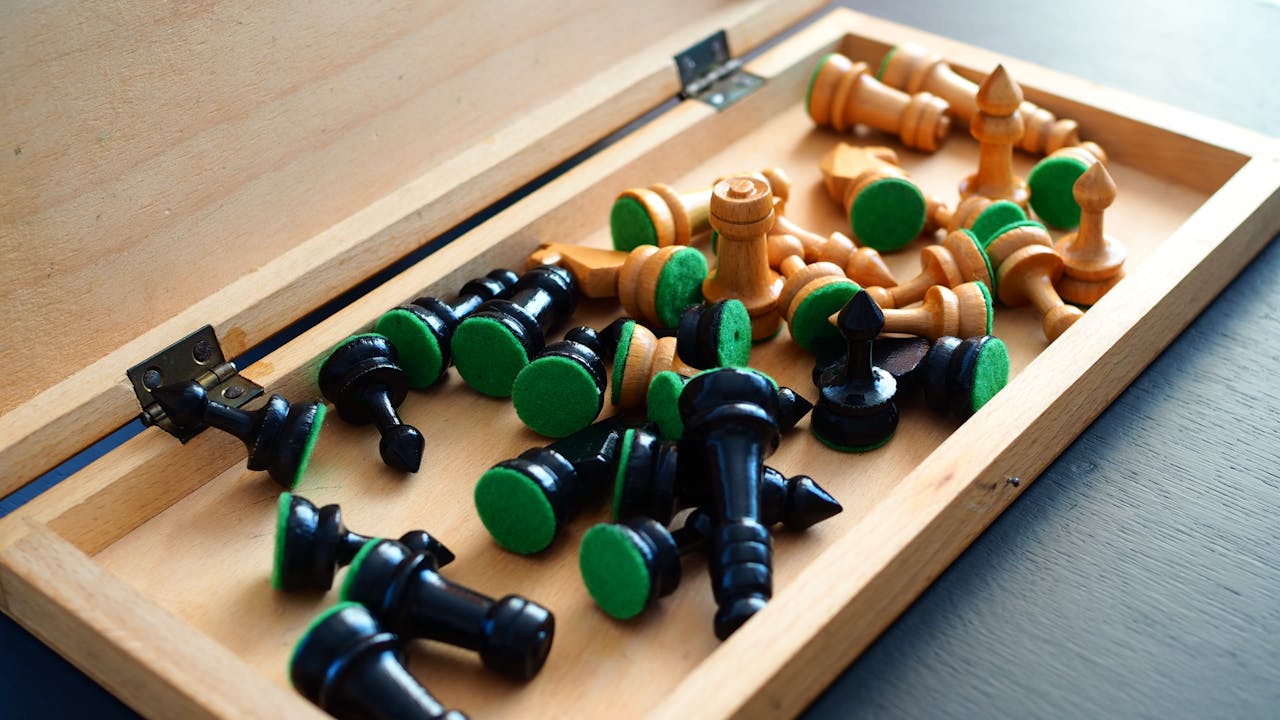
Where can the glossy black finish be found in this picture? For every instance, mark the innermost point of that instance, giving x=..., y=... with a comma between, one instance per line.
x=730, y=427
x=362, y=379
x=588, y=348
x=276, y=434
x=403, y=590
x=856, y=409
x=948, y=374
x=792, y=406
x=317, y=543
x=542, y=298
x=654, y=486
x=698, y=335
x=442, y=317
x=354, y=670
x=901, y=357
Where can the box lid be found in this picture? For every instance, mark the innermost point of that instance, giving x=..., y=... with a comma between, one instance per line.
x=240, y=163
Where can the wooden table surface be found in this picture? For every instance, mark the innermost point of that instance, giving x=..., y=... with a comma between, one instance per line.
x=1140, y=574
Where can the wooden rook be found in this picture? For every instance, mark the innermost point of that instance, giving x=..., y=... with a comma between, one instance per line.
x=742, y=213
x=652, y=284
x=911, y=68
x=1026, y=269
x=886, y=209
x=810, y=293
x=843, y=93
x=1052, y=183
x=997, y=126
x=959, y=259
x=1092, y=262
x=659, y=215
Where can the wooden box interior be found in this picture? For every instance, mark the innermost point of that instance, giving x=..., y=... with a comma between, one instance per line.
x=189, y=531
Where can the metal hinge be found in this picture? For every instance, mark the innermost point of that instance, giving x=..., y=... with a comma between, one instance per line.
x=198, y=357
x=708, y=73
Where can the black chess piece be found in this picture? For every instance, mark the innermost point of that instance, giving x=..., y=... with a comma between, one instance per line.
x=960, y=376
x=901, y=357
x=715, y=335
x=856, y=410
x=364, y=381
x=561, y=391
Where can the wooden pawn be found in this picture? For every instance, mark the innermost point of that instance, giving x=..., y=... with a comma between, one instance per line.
x=997, y=126
x=843, y=93
x=742, y=213
x=1092, y=261
x=1026, y=269
x=646, y=355
x=810, y=293
x=959, y=259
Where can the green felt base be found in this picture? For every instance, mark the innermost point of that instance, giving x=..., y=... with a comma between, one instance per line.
x=733, y=341
x=679, y=285
x=663, y=403
x=556, y=396
x=304, y=458
x=991, y=308
x=418, y=349
x=808, y=93
x=884, y=63
x=515, y=511
x=810, y=324
x=887, y=214
x=354, y=568
x=614, y=571
x=997, y=215
x=620, y=360
x=315, y=623
x=630, y=225
x=1052, y=186
x=852, y=448
x=991, y=373
x=282, y=520
x=620, y=473
x=487, y=355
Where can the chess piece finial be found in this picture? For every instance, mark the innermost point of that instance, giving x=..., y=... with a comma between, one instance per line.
x=997, y=126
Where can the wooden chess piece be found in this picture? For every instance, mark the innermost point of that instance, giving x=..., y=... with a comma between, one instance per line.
x=658, y=215
x=742, y=213
x=962, y=312
x=886, y=209
x=652, y=284
x=1026, y=269
x=959, y=259
x=810, y=294
x=843, y=93
x=997, y=126
x=980, y=214
x=1052, y=183
x=913, y=69
x=640, y=355
x=1092, y=262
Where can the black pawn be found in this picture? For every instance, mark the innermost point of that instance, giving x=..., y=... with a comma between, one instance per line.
x=715, y=335
x=354, y=670
x=424, y=336
x=312, y=543
x=560, y=409
x=960, y=376
x=403, y=589
x=730, y=421
x=279, y=436
x=855, y=410
x=364, y=382
x=901, y=357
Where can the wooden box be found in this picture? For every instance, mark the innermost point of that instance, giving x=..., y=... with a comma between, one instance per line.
x=150, y=569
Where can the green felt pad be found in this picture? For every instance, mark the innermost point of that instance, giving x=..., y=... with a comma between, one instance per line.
x=515, y=511
x=991, y=373
x=418, y=349
x=282, y=520
x=630, y=225
x=620, y=473
x=996, y=216
x=487, y=355
x=991, y=309
x=354, y=568
x=311, y=626
x=304, y=458
x=679, y=285
x=852, y=448
x=884, y=63
x=813, y=79
x=556, y=396
x=809, y=324
x=1052, y=185
x=733, y=343
x=614, y=571
x=663, y=403
x=887, y=214
x=620, y=360
x=986, y=259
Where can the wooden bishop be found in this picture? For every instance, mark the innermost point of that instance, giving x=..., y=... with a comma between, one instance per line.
x=1093, y=262
x=997, y=126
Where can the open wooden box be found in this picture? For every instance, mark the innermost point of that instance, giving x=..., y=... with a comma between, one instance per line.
x=150, y=569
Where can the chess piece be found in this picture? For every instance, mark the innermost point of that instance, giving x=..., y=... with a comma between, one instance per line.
x=658, y=215
x=311, y=543
x=280, y=437
x=1092, y=262
x=811, y=294
x=960, y=376
x=1052, y=183
x=405, y=591
x=843, y=93
x=663, y=404
x=886, y=209
x=641, y=355
x=652, y=482
x=742, y=214
x=730, y=429
x=959, y=259
x=422, y=330
x=979, y=214
x=911, y=68
x=997, y=126
x=901, y=357
x=353, y=669
x=496, y=341
x=561, y=391
x=1026, y=269
x=856, y=410
x=364, y=381
x=652, y=284
x=715, y=335
x=964, y=312
x=524, y=501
